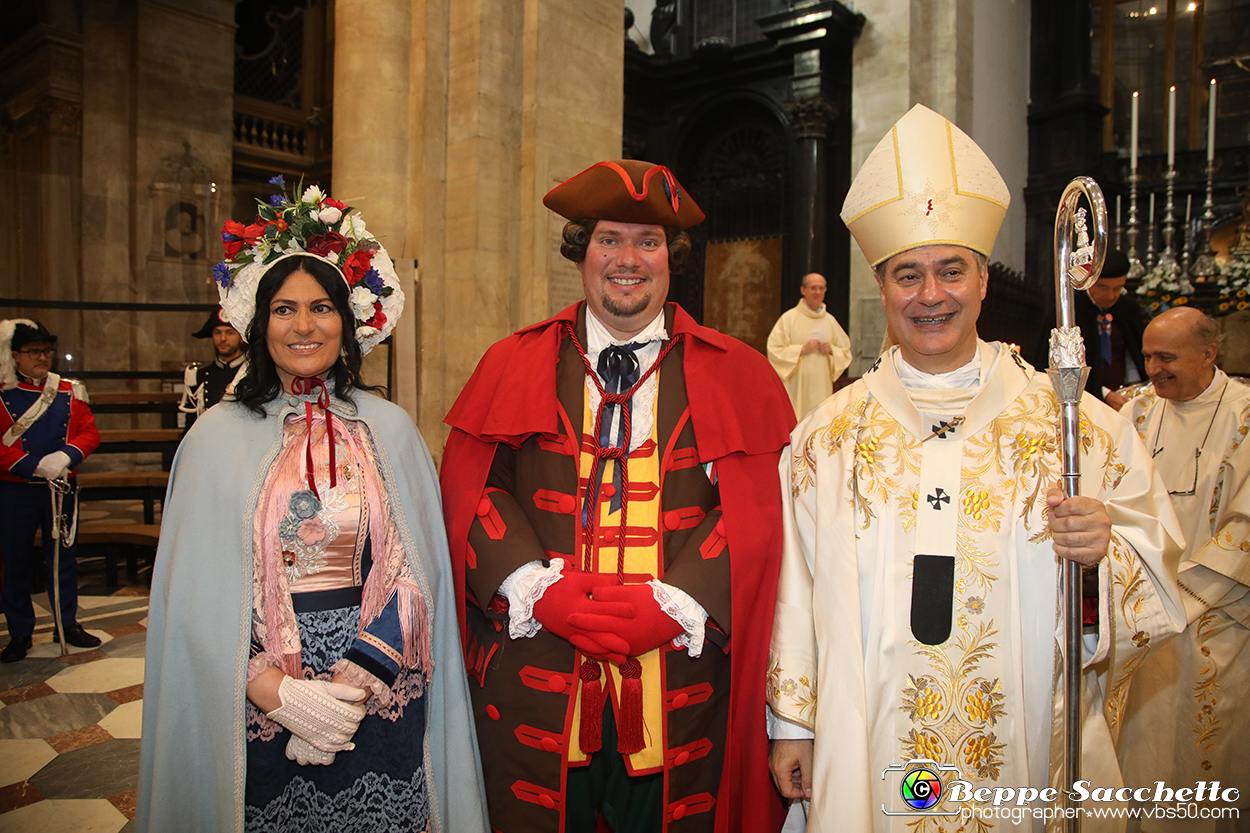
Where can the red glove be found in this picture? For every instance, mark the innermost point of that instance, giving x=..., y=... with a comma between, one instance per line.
x=571, y=594
x=628, y=621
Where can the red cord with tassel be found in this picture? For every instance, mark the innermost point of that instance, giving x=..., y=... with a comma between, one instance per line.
x=629, y=727
x=590, y=733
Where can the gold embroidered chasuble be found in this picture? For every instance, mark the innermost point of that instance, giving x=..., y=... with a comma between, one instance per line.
x=869, y=483
x=1188, y=716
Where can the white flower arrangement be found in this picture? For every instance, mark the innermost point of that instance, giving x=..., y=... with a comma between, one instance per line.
x=1234, y=284
x=1163, y=288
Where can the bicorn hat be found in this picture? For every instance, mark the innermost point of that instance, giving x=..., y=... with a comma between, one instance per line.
x=216, y=318
x=625, y=191
x=926, y=183
x=16, y=333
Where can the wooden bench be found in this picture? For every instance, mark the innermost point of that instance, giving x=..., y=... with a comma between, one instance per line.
x=135, y=402
x=163, y=441
x=113, y=537
x=147, y=486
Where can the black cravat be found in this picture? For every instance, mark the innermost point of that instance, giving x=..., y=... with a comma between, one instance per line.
x=618, y=367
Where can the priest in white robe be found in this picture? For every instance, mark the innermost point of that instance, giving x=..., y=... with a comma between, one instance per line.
x=917, y=612
x=808, y=348
x=1188, y=715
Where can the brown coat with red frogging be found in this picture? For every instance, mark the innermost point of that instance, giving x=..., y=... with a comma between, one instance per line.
x=510, y=485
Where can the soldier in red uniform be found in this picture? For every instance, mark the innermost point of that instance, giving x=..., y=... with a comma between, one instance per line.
x=610, y=487
x=47, y=432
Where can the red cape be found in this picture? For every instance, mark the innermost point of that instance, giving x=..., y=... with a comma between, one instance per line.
x=742, y=420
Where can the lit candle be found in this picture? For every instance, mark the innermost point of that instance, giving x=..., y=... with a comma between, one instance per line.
x=1152, y=209
x=1171, y=126
x=1133, y=158
x=1211, y=124
x=1189, y=204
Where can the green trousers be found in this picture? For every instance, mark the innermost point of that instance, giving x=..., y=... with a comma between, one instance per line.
x=630, y=804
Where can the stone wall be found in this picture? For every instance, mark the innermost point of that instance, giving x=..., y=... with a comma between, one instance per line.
x=119, y=154
x=484, y=107
x=965, y=59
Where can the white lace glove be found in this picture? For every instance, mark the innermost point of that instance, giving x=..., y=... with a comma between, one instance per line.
x=321, y=712
x=53, y=466
x=304, y=753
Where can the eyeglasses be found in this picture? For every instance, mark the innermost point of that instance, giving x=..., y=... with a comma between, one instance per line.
x=39, y=354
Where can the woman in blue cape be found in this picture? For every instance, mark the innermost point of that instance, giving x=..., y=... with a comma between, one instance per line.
x=303, y=661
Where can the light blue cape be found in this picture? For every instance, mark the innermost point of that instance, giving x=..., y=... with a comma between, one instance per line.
x=193, y=764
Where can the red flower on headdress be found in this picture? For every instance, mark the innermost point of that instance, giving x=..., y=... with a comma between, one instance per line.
x=326, y=244
x=331, y=202
x=356, y=265
x=235, y=236
x=378, y=320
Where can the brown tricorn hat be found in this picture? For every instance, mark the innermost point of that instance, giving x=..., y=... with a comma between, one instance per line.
x=626, y=191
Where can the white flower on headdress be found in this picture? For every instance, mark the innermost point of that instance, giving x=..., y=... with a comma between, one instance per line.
x=358, y=226
x=365, y=332
x=313, y=194
x=329, y=215
x=362, y=302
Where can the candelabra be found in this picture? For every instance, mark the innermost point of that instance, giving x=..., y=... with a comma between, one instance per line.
x=1167, y=258
x=1135, y=268
x=1118, y=240
x=1205, y=268
x=1150, y=246
x=1186, y=233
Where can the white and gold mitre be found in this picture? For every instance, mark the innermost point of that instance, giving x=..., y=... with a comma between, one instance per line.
x=925, y=183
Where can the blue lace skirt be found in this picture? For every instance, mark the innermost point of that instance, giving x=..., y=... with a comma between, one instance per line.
x=378, y=786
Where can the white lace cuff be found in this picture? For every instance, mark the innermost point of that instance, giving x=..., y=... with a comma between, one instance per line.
x=779, y=728
x=688, y=613
x=523, y=589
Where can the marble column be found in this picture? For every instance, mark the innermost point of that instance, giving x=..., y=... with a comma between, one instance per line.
x=375, y=142
x=810, y=117
x=475, y=110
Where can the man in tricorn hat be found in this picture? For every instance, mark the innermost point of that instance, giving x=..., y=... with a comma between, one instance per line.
x=47, y=432
x=203, y=385
x=609, y=492
x=916, y=610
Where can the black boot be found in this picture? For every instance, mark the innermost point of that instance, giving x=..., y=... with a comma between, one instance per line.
x=16, y=649
x=76, y=636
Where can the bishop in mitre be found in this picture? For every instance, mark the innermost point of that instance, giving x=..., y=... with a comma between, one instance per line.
x=917, y=612
x=1188, y=715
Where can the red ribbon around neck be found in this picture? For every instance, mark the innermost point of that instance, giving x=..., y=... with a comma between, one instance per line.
x=305, y=386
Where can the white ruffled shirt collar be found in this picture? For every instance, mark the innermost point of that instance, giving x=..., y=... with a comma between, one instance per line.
x=642, y=406
x=598, y=337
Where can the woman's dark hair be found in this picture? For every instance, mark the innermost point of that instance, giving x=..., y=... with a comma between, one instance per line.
x=261, y=383
x=577, y=237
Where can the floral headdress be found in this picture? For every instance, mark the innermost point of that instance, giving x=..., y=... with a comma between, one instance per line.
x=322, y=227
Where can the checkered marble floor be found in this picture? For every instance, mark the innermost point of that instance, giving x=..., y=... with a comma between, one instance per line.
x=69, y=726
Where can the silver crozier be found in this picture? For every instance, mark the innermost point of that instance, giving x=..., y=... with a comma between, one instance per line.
x=1079, y=255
